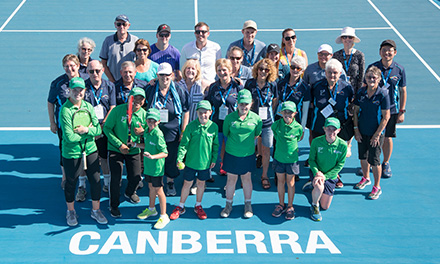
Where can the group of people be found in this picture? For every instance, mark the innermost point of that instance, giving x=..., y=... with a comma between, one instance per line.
x=162, y=111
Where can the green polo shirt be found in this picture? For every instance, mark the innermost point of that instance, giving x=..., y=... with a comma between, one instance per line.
x=154, y=144
x=241, y=133
x=72, y=141
x=287, y=137
x=329, y=158
x=200, y=144
x=116, y=128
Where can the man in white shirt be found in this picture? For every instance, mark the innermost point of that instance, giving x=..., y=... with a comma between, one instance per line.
x=204, y=50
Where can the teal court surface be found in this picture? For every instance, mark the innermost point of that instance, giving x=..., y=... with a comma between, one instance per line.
x=402, y=226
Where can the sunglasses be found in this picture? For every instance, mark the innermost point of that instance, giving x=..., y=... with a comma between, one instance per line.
x=290, y=38
x=371, y=77
x=203, y=32
x=166, y=35
x=121, y=24
x=85, y=49
x=235, y=58
x=95, y=71
x=144, y=50
x=345, y=37
x=293, y=67
x=263, y=69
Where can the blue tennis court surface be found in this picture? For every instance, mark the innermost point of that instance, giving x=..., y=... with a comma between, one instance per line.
x=400, y=227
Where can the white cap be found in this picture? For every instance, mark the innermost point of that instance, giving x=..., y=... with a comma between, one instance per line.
x=164, y=68
x=325, y=47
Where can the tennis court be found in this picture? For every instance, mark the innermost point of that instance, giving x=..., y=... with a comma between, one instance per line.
x=401, y=227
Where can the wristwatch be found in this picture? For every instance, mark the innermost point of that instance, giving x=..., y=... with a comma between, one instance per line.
x=402, y=111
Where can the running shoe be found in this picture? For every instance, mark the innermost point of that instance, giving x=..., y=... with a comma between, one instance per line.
x=162, y=222
x=200, y=212
x=386, y=170
x=248, y=213
x=222, y=172
x=375, y=193
x=279, y=210
x=315, y=214
x=290, y=213
x=308, y=187
x=171, y=191
x=339, y=184
x=361, y=185
x=177, y=212
x=114, y=212
x=81, y=194
x=105, y=188
x=99, y=217
x=227, y=210
x=72, y=218
x=147, y=213
x=134, y=198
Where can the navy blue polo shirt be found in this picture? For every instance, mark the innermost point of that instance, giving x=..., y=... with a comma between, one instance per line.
x=396, y=77
x=59, y=93
x=215, y=95
x=171, y=129
x=104, y=95
x=370, y=109
x=321, y=95
x=262, y=98
x=298, y=93
x=122, y=92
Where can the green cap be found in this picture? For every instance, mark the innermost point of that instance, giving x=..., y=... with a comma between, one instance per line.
x=137, y=91
x=77, y=82
x=288, y=105
x=244, y=96
x=204, y=105
x=332, y=121
x=153, y=113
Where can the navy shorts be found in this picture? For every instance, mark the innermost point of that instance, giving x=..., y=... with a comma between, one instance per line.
x=390, y=129
x=156, y=181
x=288, y=168
x=329, y=186
x=238, y=165
x=368, y=152
x=190, y=174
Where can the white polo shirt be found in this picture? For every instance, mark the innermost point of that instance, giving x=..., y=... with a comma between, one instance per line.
x=207, y=57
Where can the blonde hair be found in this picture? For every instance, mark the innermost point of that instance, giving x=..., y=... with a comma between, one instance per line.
x=224, y=62
x=196, y=64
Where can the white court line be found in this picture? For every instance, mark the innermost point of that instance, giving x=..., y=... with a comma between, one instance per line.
x=432, y=2
x=47, y=128
x=174, y=30
x=406, y=42
x=196, y=12
x=12, y=15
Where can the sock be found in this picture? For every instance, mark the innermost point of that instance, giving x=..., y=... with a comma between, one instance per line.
x=151, y=208
x=94, y=211
x=82, y=181
x=106, y=179
x=228, y=201
x=247, y=201
x=163, y=216
x=317, y=205
x=182, y=205
x=197, y=203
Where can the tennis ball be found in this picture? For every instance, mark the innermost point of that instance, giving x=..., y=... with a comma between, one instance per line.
x=181, y=165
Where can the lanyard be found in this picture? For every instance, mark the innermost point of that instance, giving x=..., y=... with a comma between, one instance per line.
x=385, y=80
x=336, y=92
x=285, y=55
x=227, y=94
x=246, y=53
x=157, y=94
x=345, y=60
x=239, y=73
x=291, y=92
x=98, y=99
x=261, y=100
x=124, y=98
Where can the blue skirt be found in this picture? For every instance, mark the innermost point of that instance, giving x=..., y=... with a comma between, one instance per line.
x=238, y=165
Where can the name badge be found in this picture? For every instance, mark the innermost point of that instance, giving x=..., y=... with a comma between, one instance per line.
x=262, y=112
x=159, y=105
x=327, y=111
x=279, y=109
x=386, y=86
x=164, y=115
x=223, y=112
x=99, y=111
x=332, y=101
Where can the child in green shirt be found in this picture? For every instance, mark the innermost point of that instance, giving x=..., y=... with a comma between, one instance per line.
x=199, y=144
x=287, y=132
x=155, y=152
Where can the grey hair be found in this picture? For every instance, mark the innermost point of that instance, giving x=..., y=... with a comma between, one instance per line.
x=86, y=40
x=300, y=61
x=333, y=64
